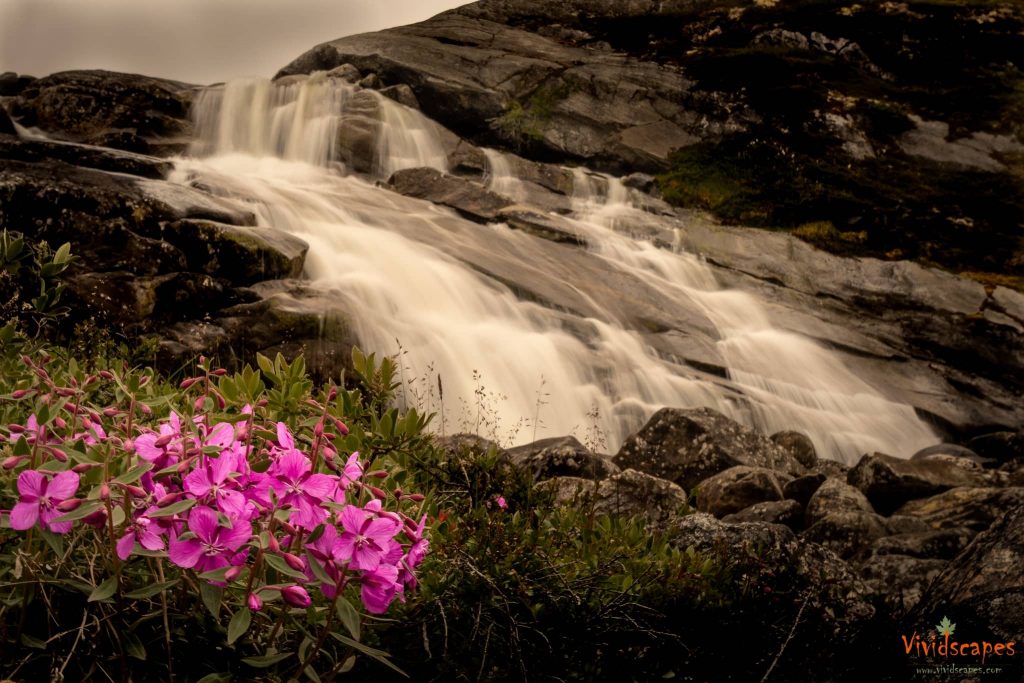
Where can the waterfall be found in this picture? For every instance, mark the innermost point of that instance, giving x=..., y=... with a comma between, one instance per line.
x=500, y=178
x=417, y=280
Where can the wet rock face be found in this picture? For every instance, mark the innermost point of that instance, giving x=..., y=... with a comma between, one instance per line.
x=126, y=111
x=688, y=446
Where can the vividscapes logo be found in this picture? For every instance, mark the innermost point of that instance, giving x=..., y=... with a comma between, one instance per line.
x=941, y=643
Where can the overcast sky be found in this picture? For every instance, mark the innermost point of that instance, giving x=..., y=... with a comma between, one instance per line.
x=197, y=41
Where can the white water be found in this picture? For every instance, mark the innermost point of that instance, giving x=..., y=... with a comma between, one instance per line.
x=394, y=265
x=500, y=177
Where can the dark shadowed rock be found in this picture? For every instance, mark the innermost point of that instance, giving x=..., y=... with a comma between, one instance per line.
x=799, y=445
x=467, y=198
x=802, y=488
x=561, y=457
x=737, y=488
x=851, y=533
x=243, y=255
x=890, y=482
x=96, y=106
x=402, y=94
x=6, y=125
x=834, y=496
x=1001, y=447
x=982, y=590
x=949, y=450
x=900, y=577
x=88, y=156
x=786, y=512
x=944, y=544
x=688, y=446
x=965, y=507
x=831, y=469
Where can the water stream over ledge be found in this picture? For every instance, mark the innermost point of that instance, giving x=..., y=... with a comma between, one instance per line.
x=407, y=272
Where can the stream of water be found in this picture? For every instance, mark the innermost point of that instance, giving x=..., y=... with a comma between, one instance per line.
x=408, y=276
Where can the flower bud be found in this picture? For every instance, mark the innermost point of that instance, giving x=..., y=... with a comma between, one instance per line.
x=273, y=545
x=288, y=528
x=104, y=491
x=378, y=493
x=59, y=421
x=135, y=491
x=255, y=602
x=198, y=405
x=13, y=461
x=43, y=374
x=296, y=596
x=262, y=403
x=58, y=455
x=19, y=393
x=232, y=574
x=69, y=504
x=110, y=412
x=318, y=429
x=219, y=372
x=332, y=394
x=144, y=381
x=168, y=499
x=341, y=427
x=163, y=440
x=64, y=392
x=106, y=374
x=416, y=497
x=83, y=467
x=294, y=561
x=186, y=383
x=145, y=409
x=16, y=429
x=378, y=474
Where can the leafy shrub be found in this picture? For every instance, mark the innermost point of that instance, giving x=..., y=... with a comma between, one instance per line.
x=29, y=289
x=233, y=511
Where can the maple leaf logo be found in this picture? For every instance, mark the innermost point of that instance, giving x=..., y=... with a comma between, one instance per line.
x=945, y=627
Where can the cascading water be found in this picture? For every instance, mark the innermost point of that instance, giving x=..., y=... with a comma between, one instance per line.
x=407, y=272
x=500, y=177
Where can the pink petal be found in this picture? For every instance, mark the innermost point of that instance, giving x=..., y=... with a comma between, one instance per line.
x=198, y=482
x=150, y=540
x=185, y=553
x=221, y=435
x=145, y=448
x=319, y=485
x=125, y=545
x=367, y=557
x=47, y=515
x=284, y=437
x=63, y=485
x=24, y=515
x=292, y=465
x=381, y=529
x=352, y=518
x=31, y=484
x=203, y=522
x=235, y=537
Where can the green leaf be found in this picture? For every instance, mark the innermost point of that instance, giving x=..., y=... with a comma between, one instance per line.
x=104, y=590
x=215, y=678
x=35, y=643
x=55, y=541
x=278, y=563
x=83, y=510
x=349, y=616
x=134, y=646
x=173, y=508
x=150, y=590
x=264, y=661
x=211, y=598
x=240, y=621
x=945, y=627
x=318, y=570
x=374, y=653
x=215, y=574
x=63, y=254
x=311, y=675
x=134, y=474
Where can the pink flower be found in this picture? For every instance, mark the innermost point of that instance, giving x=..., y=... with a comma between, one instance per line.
x=295, y=485
x=379, y=588
x=212, y=482
x=214, y=546
x=39, y=500
x=500, y=500
x=366, y=537
x=143, y=530
x=255, y=602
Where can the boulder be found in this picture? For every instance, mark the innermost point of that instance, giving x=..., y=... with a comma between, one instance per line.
x=949, y=450
x=972, y=508
x=1001, y=447
x=982, y=591
x=628, y=493
x=900, y=578
x=402, y=94
x=12, y=84
x=242, y=255
x=835, y=496
x=799, y=445
x=786, y=512
x=851, y=533
x=803, y=488
x=561, y=457
x=688, y=446
x=6, y=125
x=890, y=482
x=737, y=488
x=455, y=444
x=97, y=106
x=469, y=199
x=943, y=544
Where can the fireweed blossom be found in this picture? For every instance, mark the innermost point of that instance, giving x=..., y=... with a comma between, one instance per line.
x=214, y=545
x=228, y=506
x=39, y=498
